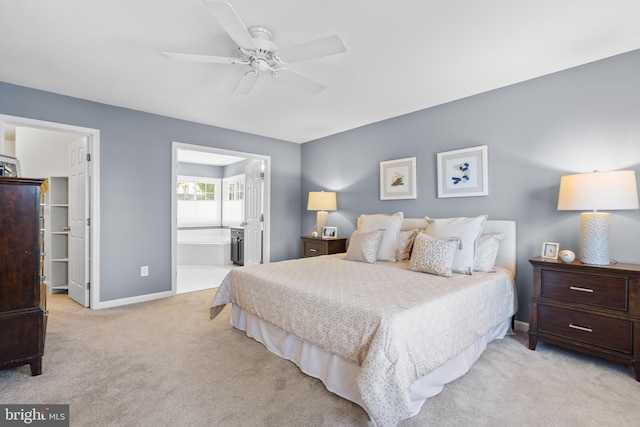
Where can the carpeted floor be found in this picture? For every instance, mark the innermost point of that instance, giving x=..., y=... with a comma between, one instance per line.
x=164, y=363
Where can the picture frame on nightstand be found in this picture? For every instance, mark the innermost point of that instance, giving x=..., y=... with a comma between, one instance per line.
x=550, y=250
x=329, y=232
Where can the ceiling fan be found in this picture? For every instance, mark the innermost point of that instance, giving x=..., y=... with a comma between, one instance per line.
x=261, y=55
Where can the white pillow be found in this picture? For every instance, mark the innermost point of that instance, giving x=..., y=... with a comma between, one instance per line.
x=405, y=244
x=487, y=252
x=363, y=247
x=391, y=225
x=433, y=255
x=468, y=230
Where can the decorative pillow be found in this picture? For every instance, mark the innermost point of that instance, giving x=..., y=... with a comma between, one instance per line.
x=405, y=244
x=487, y=252
x=433, y=255
x=363, y=247
x=391, y=225
x=468, y=230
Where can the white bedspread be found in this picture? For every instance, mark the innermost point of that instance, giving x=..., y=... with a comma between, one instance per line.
x=398, y=325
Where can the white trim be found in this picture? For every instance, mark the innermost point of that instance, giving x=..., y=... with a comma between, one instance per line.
x=135, y=300
x=521, y=326
x=175, y=146
x=195, y=178
x=93, y=136
x=174, y=218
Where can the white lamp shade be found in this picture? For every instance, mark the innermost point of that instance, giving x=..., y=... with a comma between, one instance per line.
x=598, y=191
x=322, y=201
x=593, y=192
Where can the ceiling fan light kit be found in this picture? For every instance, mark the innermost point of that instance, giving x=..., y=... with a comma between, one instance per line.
x=261, y=54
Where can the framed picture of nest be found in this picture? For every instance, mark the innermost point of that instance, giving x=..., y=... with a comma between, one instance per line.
x=398, y=179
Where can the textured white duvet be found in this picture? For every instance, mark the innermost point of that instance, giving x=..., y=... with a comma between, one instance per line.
x=398, y=325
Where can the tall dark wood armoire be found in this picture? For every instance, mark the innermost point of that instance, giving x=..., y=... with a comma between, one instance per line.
x=23, y=293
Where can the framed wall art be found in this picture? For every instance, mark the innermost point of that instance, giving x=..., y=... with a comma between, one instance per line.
x=398, y=179
x=463, y=173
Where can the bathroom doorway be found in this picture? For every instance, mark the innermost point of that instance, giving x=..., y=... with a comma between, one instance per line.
x=207, y=203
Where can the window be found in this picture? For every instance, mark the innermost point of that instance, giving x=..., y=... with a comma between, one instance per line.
x=235, y=189
x=233, y=203
x=194, y=190
x=205, y=191
x=199, y=201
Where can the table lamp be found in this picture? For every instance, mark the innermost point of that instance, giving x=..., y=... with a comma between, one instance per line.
x=322, y=201
x=595, y=191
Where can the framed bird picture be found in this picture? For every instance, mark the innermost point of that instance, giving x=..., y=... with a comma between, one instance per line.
x=463, y=173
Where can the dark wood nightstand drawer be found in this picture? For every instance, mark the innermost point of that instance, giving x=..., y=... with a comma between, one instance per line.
x=593, y=309
x=601, y=291
x=314, y=248
x=614, y=334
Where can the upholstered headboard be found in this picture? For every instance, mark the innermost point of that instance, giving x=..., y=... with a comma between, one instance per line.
x=507, y=252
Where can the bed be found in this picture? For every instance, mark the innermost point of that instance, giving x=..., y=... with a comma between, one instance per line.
x=378, y=334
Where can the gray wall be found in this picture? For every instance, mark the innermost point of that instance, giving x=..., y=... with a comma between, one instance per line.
x=574, y=121
x=194, y=169
x=237, y=168
x=135, y=182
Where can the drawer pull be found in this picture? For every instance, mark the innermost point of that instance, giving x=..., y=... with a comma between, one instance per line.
x=580, y=328
x=313, y=250
x=577, y=288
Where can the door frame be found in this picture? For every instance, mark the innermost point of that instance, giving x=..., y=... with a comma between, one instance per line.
x=175, y=146
x=93, y=143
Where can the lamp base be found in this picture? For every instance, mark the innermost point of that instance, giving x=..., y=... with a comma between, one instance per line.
x=322, y=219
x=594, y=238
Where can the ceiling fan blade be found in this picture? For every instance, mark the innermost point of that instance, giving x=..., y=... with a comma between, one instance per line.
x=246, y=83
x=187, y=57
x=325, y=46
x=301, y=82
x=227, y=17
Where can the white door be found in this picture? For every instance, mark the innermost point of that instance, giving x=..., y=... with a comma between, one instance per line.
x=78, y=222
x=253, y=176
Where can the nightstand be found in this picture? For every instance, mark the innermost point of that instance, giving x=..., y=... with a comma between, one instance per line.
x=591, y=309
x=313, y=246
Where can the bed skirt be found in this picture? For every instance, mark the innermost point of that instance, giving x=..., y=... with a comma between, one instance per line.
x=339, y=375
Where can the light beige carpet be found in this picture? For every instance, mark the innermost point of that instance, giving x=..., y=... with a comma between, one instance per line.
x=164, y=363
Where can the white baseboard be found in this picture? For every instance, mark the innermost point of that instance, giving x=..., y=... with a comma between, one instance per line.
x=521, y=326
x=132, y=300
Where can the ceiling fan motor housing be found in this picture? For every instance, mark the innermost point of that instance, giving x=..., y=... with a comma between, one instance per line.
x=264, y=58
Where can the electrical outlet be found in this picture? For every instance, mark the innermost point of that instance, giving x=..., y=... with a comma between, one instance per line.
x=144, y=271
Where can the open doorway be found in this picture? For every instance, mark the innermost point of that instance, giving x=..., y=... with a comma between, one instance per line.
x=61, y=153
x=209, y=212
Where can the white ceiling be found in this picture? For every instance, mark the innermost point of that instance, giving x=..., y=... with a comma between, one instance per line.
x=402, y=56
